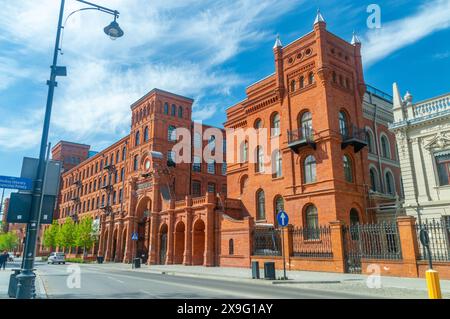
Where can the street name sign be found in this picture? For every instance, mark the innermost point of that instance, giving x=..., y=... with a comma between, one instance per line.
x=23, y=184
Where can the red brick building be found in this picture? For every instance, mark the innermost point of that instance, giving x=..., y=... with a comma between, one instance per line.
x=204, y=212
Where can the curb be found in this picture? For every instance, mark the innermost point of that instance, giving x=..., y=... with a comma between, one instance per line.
x=41, y=293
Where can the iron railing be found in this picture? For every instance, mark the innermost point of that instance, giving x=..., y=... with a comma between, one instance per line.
x=267, y=242
x=439, y=235
x=312, y=242
x=354, y=133
x=373, y=241
x=304, y=134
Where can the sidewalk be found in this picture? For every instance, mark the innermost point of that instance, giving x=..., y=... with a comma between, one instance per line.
x=4, y=281
x=295, y=277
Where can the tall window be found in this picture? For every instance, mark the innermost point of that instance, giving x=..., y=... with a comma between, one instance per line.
x=211, y=167
x=197, y=140
x=261, y=205
x=354, y=217
x=279, y=204
x=258, y=124
x=171, y=133
x=443, y=167
x=180, y=112
x=212, y=142
x=166, y=108
x=136, y=163
x=244, y=181
x=306, y=124
x=292, y=85
x=211, y=188
x=137, y=138
x=122, y=174
x=196, y=188
x=276, y=124
x=224, y=168
x=348, y=169
x=244, y=151
x=390, y=187
x=174, y=110
x=311, y=78
x=385, y=147
x=343, y=124
x=196, y=165
x=146, y=134
x=310, y=169
x=370, y=139
x=231, y=247
x=302, y=82
x=124, y=155
x=312, y=222
x=117, y=158
x=259, y=159
x=277, y=164
x=171, y=158
x=373, y=180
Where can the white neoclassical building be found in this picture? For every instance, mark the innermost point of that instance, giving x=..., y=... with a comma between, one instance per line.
x=423, y=137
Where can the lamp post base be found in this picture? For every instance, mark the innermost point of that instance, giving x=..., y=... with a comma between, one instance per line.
x=26, y=285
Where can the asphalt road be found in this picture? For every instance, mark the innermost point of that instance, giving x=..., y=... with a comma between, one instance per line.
x=95, y=282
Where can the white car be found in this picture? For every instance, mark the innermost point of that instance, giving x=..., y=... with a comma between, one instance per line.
x=56, y=258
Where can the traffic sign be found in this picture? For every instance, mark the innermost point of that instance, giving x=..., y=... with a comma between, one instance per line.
x=134, y=236
x=23, y=184
x=283, y=219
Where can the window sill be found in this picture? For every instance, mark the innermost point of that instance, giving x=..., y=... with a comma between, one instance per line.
x=274, y=179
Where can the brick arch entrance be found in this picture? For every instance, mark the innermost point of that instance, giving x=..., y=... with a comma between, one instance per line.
x=179, y=243
x=163, y=244
x=141, y=227
x=198, y=243
x=115, y=240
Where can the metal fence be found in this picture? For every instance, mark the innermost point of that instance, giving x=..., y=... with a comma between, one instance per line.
x=439, y=235
x=314, y=243
x=267, y=242
x=373, y=241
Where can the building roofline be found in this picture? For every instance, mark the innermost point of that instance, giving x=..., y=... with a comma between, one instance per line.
x=156, y=90
x=431, y=99
x=70, y=143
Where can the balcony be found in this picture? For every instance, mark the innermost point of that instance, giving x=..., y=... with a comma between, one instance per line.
x=356, y=137
x=301, y=138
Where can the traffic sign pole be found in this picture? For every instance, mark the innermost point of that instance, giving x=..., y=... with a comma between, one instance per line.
x=283, y=221
x=284, y=258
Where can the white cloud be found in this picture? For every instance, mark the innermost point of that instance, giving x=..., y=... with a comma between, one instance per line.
x=380, y=43
x=175, y=45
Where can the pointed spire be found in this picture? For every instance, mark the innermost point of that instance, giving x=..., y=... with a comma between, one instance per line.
x=355, y=39
x=397, y=99
x=319, y=17
x=278, y=43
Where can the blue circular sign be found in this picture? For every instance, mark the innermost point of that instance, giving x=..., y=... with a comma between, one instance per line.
x=283, y=219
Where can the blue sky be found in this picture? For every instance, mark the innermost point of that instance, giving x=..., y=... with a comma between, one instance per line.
x=208, y=50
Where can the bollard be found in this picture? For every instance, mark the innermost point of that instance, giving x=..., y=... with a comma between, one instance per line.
x=434, y=287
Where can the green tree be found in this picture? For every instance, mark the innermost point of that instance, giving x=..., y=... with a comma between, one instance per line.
x=84, y=235
x=66, y=235
x=50, y=235
x=8, y=241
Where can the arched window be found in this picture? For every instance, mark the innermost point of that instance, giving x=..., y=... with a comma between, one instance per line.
x=197, y=140
x=348, y=169
x=343, y=123
x=231, y=247
x=180, y=112
x=277, y=164
x=385, y=147
x=258, y=124
x=312, y=222
x=306, y=124
x=310, y=78
x=122, y=174
x=136, y=163
x=373, y=179
x=261, y=205
x=354, y=217
x=146, y=134
x=390, y=187
x=174, y=110
x=370, y=143
x=302, y=82
x=276, y=124
x=124, y=155
x=244, y=181
x=310, y=169
x=279, y=204
x=171, y=133
x=166, y=108
x=117, y=160
x=334, y=77
x=137, y=138
x=244, y=151
x=259, y=159
x=292, y=85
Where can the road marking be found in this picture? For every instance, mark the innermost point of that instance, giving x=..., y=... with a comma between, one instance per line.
x=117, y=280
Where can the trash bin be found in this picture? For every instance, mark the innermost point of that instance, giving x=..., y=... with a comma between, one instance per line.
x=100, y=259
x=137, y=263
x=269, y=270
x=12, y=289
x=255, y=270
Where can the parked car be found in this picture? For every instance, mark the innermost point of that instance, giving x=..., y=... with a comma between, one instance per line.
x=56, y=258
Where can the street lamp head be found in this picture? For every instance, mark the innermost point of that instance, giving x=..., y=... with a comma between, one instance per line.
x=113, y=30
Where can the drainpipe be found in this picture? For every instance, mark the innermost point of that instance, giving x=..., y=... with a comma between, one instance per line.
x=380, y=167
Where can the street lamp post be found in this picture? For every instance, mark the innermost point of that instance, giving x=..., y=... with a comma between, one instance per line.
x=25, y=286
